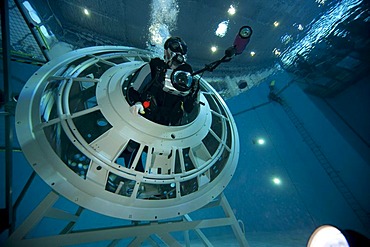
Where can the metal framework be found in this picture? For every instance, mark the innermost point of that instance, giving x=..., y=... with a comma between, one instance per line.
x=75, y=128
x=187, y=168
x=136, y=233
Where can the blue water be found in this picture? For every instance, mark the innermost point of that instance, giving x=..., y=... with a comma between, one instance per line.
x=273, y=215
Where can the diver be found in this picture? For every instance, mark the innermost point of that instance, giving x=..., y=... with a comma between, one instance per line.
x=164, y=90
x=273, y=95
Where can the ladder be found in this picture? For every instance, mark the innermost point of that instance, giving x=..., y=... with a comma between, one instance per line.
x=362, y=215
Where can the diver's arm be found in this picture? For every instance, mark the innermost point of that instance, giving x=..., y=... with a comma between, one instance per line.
x=142, y=78
x=139, y=81
x=158, y=68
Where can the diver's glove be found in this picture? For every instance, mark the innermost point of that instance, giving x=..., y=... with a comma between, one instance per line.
x=137, y=108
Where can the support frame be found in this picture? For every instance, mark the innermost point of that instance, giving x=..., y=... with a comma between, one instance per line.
x=154, y=233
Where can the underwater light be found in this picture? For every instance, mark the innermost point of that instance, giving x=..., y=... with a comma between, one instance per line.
x=276, y=23
x=222, y=28
x=328, y=235
x=276, y=181
x=213, y=48
x=86, y=11
x=253, y=53
x=259, y=141
x=231, y=10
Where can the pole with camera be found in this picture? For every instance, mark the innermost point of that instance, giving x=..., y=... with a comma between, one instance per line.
x=241, y=41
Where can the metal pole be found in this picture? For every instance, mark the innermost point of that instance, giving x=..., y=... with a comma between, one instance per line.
x=8, y=126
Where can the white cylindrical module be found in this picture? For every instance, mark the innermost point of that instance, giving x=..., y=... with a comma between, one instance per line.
x=76, y=130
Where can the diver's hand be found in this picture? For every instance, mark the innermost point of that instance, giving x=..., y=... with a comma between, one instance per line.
x=137, y=108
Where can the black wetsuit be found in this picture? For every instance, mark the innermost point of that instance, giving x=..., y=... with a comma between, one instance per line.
x=165, y=108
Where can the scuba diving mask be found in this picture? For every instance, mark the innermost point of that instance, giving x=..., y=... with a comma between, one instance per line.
x=175, y=51
x=174, y=59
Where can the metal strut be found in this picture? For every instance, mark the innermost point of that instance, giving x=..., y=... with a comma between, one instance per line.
x=154, y=233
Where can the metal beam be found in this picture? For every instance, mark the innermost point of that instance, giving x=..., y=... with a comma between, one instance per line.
x=32, y=220
x=7, y=118
x=200, y=234
x=139, y=233
x=235, y=226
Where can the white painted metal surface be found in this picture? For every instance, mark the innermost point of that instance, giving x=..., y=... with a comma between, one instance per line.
x=152, y=233
x=75, y=129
